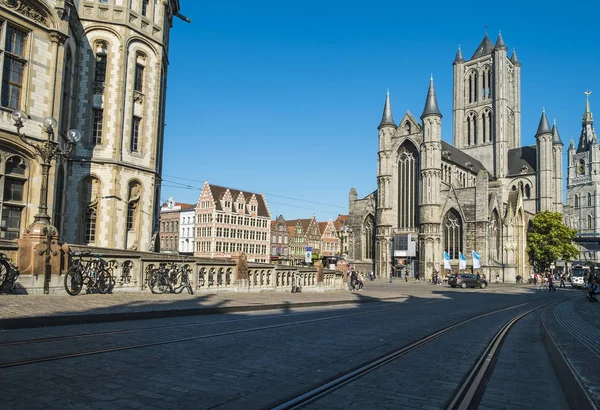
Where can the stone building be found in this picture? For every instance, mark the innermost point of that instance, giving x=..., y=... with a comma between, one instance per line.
x=582, y=210
x=187, y=230
x=229, y=220
x=169, y=226
x=280, y=242
x=477, y=194
x=303, y=233
x=330, y=242
x=99, y=67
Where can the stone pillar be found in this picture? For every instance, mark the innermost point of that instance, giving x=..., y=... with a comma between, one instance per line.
x=241, y=269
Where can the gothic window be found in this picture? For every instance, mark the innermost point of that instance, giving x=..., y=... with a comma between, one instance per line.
x=133, y=206
x=58, y=198
x=13, y=51
x=576, y=201
x=140, y=65
x=67, y=93
x=581, y=167
x=14, y=196
x=452, y=226
x=486, y=126
x=472, y=80
x=471, y=128
x=495, y=237
x=527, y=194
x=590, y=222
x=98, y=117
x=101, y=60
x=408, y=177
x=589, y=199
x=135, y=134
x=90, y=195
x=144, y=8
x=487, y=83
x=368, y=236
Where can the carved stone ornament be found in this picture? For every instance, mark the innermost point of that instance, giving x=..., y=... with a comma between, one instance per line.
x=58, y=37
x=138, y=97
x=26, y=9
x=98, y=87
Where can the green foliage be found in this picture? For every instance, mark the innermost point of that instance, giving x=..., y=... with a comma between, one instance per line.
x=550, y=240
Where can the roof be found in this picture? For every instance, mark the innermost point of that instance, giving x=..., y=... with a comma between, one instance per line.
x=500, y=42
x=485, y=47
x=431, y=105
x=219, y=191
x=387, y=117
x=185, y=206
x=459, y=158
x=556, y=135
x=522, y=157
x=459, y=57
x=544, y=127
x=322, y=226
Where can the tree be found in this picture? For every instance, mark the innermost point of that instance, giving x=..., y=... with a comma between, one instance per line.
x=550, y=240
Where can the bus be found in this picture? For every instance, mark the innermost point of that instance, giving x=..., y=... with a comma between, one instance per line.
x=580, y=271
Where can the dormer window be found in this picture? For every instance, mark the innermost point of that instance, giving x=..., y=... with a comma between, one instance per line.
x=241, y=206
x=524, y=169
x=227, y=204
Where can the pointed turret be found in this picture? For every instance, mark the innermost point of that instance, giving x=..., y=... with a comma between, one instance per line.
x=485, y=47
x=387, y=119
x=587, y=126
x=500, y=43
x=555, y=135
x=587, y=115
x=431, y=105
x=459, y=57
x=571, y=144
x=514, y=59
x=544, y=127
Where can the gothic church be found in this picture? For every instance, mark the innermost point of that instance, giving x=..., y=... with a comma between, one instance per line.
x=480, y=193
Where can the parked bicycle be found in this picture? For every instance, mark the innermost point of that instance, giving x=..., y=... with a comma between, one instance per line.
x=93, y=273
x=8, y=274
x=544, y=287
x=170, y=276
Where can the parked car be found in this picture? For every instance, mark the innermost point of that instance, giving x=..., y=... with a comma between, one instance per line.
x=467, y=280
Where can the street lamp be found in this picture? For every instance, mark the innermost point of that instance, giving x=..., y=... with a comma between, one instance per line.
x=47, y=151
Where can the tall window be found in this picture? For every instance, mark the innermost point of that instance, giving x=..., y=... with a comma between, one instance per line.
x=13, y=197
x=13, y=66
x=100, y=68
x=67, y=98
x=139, y=78
x=408, y=177
x=471, y=128
x=130, y=213
x=368, y=236
x=486, y=126
x=144, y=8
x=495, y=237
x=135, y=133
x=90, y=226
x=576, y=201
x=590, y=222
x=135, y=190
x=90, y=195
x=589, y=199
x=97, y=126
x=452, y=233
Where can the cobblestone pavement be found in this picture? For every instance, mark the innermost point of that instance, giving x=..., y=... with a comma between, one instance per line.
x=523, y=376
x=26, y=306
x=575, y=327
x=219, y=366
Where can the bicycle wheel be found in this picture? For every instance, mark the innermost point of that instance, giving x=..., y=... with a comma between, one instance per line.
x=4, y=270
x=186, y=281
x=104, y=283
x=73, y=281
x=158, y=282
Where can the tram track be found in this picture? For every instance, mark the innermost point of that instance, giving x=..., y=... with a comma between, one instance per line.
x=467, y=396
x=92, y=352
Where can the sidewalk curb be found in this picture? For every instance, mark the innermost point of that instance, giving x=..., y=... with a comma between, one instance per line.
x=78, y=319
x=575, y=392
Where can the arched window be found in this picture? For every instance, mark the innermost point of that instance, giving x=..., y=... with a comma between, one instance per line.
x=527, y=191
x=486, y=130
x=368, y=236
x=14, y=196
x=473, y=88
x=486, y=91
x=590, y=222
x=589, y=199
x=452, y=226
x=101, y=54
x=495, y=237
x=135, y=190
x=576, y=201
x=90, y=196
x=471, y=128
x=408, y=179
x=67, y=93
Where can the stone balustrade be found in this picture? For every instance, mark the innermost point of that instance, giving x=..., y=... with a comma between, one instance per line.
x=131, y=271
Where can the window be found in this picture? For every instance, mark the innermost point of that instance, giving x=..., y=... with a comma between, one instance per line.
x=13, y=198
x=13, y=66
x=589, y=199
x=452, y=227
x=135, y=134
x=97, y=127
x=90, y=226
x=100, y=71
x=576, y=201
x=130, y=213
x=145, y=8
x=139, y=78
x=590, y=222
x=408, y=180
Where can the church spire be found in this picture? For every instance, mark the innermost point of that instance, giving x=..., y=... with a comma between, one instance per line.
x=587, y=115
x=588, y=135
x=387, y=119
x=555, y=135
x=500, y=43
x=459, y=57
x=544, y=127
x=514, y=59
x=431, y=105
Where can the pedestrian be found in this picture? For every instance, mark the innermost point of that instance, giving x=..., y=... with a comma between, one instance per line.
x=371, y=275
x=391, y=272
x=405, y=275
x=498, y=278
x=360, y=282
x=535, y=278
x=350, y=281
x=594, y=290
x=562, y=280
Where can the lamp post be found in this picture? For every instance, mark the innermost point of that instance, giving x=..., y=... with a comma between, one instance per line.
x=47, y=151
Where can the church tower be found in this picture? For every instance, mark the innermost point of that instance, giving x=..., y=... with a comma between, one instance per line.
x=557, y=150
x=487, y=104
x=384, y=217
x=545, y=170
x=430, y=253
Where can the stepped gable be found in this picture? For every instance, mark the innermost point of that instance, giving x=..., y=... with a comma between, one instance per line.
x=218, y=192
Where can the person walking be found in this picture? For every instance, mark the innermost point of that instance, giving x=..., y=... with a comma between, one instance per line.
x=562, y=280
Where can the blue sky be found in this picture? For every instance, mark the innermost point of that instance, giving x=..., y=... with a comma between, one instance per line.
x=285, y=98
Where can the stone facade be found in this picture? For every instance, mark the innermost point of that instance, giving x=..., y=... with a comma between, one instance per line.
x=229, y=221
x=100, y=68
x=582, y=210
x=330, y=241
x=478, y=194
x=187, y=223
x=280, y=242
x=303, y=233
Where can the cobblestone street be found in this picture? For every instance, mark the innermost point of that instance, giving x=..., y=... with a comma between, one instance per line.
x=248, y=359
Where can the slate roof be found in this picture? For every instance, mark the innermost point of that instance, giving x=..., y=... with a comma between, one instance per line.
x=460, y=158
x=219, y=191
x=485, y=47
x=522, y=156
